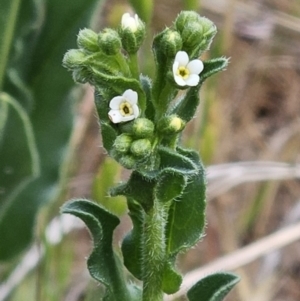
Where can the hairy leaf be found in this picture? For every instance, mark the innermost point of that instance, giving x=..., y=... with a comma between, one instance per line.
x=102, y=264
x=213, y=287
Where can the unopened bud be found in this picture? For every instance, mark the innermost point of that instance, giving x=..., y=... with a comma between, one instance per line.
x=109, y=41
x=184, y=18
x=171, y=42
x=88, y=40
x=74, y=58
x=192, y=35
x=141, y=147
x=122, y=143
x=128, y=161
x=143, y=128
x=171, y=124
x=132, y=33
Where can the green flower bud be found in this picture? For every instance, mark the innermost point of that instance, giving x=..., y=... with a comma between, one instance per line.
x=141, y=147
x=87, y=39
x=171, y=124
x=196, y=32
x=122, y=143
x=171, y=42
x=192, y=35
x=132, y=32
x=184, y=18
x=128, y=161
x=143, y=128
x=74, y=58
x=209, y=31
x=109, y=41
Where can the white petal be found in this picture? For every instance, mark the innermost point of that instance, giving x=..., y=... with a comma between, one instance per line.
x=125, y=17
x=131, y=96
x=179, y=80
x=115, y=102
x=195, y=66
x=115, y=116
x=192, y=80
x=182, y=58
x=175, y=68
x=136, y=111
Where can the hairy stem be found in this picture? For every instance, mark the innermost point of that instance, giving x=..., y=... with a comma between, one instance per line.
x=154, y=246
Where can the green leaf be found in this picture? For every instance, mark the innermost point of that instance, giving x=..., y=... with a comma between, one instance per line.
x=213, y=66
x=18, y=169
x=187, y=106
x=171, y=278
x=102, y=263
x=170, y=185
x=132, y=242
x=41, y=86
x=213, y=287
x=186, y=219
x=143, y=195
x=8, y=17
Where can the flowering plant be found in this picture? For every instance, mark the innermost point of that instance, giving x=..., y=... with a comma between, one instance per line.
x=141, y=120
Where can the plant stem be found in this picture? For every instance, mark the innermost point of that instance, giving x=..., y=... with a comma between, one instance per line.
x=133, y=65
x=154, y=246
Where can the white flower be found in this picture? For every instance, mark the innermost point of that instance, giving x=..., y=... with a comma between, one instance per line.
x=124, y=108
x=130, y=22
x=186, y=73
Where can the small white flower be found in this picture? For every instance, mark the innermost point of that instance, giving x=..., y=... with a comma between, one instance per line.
x=186, y=73
x=130, y=22
x=124, y=108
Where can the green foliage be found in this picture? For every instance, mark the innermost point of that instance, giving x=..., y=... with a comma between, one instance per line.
x=103, y=264
x=213, y=287
x=37, y=115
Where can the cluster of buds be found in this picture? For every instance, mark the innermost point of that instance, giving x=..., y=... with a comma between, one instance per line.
x=139, y=116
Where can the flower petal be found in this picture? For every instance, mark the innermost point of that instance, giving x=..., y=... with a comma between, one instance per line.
x=195, y=66
x=182, y=58
x=179, y=80
x=175, y=68
x=192, y=80
x=136, y=111
x=131, y=96
x=115, y=102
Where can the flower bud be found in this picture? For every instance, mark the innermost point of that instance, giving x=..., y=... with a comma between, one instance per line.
x=122, y=143
x=171, y=124
x=184, y=18
x=87, y=39
x=143, y=128
x=209, y=31
x=109, y=41
x=132, y=33
x=128, y=161
x=171, y=42
x=196, y=32
x=74, y=58
x=192, y=35
x=141, y=147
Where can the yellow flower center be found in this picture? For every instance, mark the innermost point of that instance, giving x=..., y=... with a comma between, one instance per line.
x=183, y=72
x=126, y=108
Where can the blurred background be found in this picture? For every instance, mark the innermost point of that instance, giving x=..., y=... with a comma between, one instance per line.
x=247, y=131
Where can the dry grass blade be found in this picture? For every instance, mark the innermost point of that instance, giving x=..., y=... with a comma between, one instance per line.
x=241, y=257
x=223, y=177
